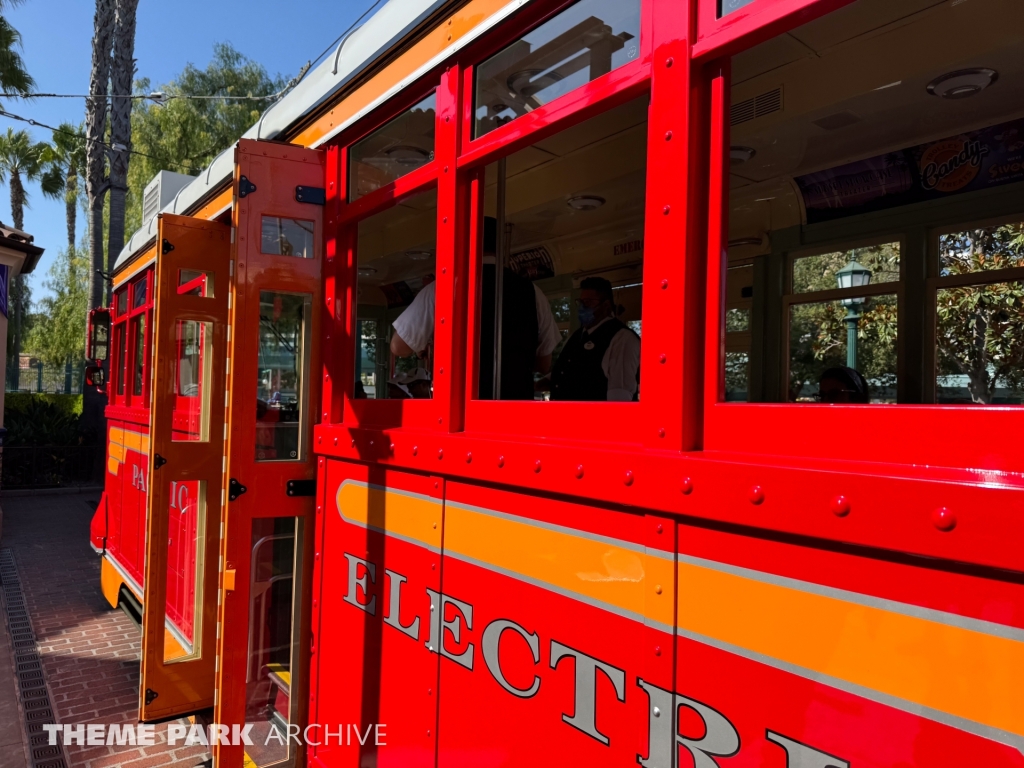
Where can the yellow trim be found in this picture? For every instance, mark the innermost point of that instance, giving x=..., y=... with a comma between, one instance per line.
x=282, y=672
x=121, y=441
x=409, y=516
x=951, y=669
x=110, y=582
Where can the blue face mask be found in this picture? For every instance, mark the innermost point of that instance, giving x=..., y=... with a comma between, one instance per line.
x=585, y=315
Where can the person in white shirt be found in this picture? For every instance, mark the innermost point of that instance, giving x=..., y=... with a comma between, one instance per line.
x=529, y=333
x=601, y=360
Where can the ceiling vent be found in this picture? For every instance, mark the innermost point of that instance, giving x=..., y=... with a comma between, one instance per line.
x=758, y=106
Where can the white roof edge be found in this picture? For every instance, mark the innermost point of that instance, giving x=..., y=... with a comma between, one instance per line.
x=388, y=27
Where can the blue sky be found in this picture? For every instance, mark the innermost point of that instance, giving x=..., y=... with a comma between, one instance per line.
x=56, y=37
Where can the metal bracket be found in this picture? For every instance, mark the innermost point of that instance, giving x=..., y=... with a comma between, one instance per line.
x=311, y=195
x=301, y=488
x=158, y=461
x=166, y=247
x=245, y=187
x=151, y=695
x=235, y=489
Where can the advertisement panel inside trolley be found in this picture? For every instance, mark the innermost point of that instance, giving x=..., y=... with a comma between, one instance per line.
x=635, y=383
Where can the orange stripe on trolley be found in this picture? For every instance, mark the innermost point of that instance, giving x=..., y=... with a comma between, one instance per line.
x=942, y=662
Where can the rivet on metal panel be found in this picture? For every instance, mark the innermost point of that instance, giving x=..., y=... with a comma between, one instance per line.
x=661, y=432
x=320, y=439
x=440, y=453
x=353, y=442
x=686, y=486
x=662, y=358
x=668, y=135
x=628, y=477
x=657, y=712
x=436, y=485
x=667, y=210
x=442, y=370
x=371, y=442
x=469, y=457
x=660, y=528
x=536, y=466
x=444, y=220
x=669, y=61
x=501, y=462
x=756, y=494
x=391, y=446
x=840, y=506
x=433, y=566
x=579, y=471
x=335, y=441
x=446, y=167
x=435, y=526
x=664, y=284
x=415, y=450
x=444, y=270
x=439, y=420
x=657, y=650
x=442, y=321
x=944, y=519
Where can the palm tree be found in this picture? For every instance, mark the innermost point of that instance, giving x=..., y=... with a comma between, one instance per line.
x=63, y=161
x=96, y=181
x=122, y=73
x=13, y=77
x=20, y=161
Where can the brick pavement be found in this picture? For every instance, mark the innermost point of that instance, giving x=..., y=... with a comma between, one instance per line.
x=90, y=653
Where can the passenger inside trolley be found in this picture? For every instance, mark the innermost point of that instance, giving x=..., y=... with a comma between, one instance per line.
x=876, y=207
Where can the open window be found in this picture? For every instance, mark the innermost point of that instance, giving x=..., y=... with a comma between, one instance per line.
x=872, y=212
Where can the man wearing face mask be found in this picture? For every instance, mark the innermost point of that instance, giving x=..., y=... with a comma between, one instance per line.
x=601, y=360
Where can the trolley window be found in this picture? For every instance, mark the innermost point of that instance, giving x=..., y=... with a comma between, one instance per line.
x=564, y=218
x=874, y=250
x=583, y=42
x=399, y=147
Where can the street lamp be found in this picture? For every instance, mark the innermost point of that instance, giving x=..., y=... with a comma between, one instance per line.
x=853, y=275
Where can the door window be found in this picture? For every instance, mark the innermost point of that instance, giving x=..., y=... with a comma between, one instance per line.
x=270, y=700
x=281, y=386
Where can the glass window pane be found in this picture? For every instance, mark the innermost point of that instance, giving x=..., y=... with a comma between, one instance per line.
x=396, y=256
x=139, y=356
x=287, y=237
x=726, y=7
x=185, y=520
x=824, y=367
x=737, y=377
x=982, y=249
x=567, y=319
x=100, y=338
x=281, y=375
x=194, y=282
x=122, y=301
x=191, y=407
x=825, y=271
x=121, y=345
x=271, y=704
x=581, y=43
x=139, y=292
x=979, y=338
x=400, y=147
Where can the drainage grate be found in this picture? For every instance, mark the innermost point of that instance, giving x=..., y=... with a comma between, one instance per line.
x=35, y=699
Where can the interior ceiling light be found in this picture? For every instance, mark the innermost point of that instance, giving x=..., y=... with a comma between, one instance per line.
x=744, y=241
x=586, y=202
x=962, y=83
x=524, y=85
x=739, y=154
x=366, y=271
x=418, y=255
x=404, y=154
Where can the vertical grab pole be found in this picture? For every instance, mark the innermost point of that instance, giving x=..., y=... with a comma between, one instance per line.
x=499, y=277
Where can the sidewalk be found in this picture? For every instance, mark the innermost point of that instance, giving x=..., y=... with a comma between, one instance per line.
x=90, y=653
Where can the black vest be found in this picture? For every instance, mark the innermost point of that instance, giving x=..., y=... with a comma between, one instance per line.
x=518, y=336
x=577, y=374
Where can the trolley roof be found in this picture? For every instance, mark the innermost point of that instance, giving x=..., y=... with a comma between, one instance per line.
x=385, y=30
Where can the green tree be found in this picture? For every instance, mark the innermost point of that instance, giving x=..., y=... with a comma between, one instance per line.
x=60, y=336
x=20, y=161
x=979, y=329
x=185, y=135
x=14, y=78
x=63, y=161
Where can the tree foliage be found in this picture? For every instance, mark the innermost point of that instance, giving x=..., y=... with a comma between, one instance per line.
x=185, y=135
x=817, y=331
x=14, y=78
x=63, y=162
x=58, y=335
x=979, y=329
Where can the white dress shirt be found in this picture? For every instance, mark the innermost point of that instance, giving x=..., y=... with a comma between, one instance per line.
x=620, y=363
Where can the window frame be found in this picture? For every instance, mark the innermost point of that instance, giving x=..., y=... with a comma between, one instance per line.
x=566, y=421
x=803, y=431
x=131, y=320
